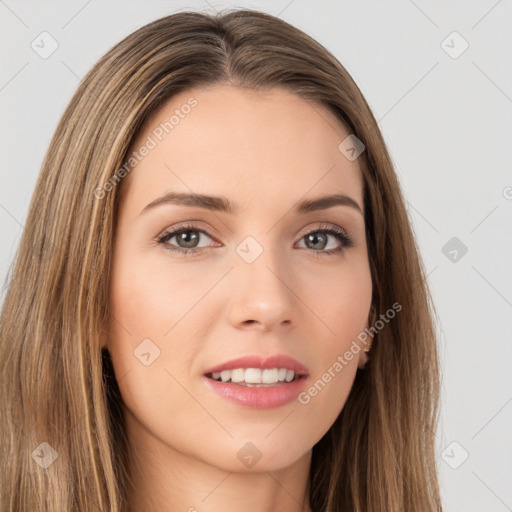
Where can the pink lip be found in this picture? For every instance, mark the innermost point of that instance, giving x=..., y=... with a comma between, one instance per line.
x=275, y=361
x=259, y=397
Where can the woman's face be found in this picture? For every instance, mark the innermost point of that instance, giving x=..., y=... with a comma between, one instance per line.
x=263, y=282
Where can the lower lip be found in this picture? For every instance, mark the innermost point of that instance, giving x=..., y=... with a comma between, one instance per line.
x=256, y=397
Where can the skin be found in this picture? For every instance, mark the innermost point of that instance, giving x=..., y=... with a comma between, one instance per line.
x=264, y=151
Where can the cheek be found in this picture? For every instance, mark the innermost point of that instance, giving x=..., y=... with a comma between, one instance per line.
x=343, y=305
x=150, y=348
x=342, y=301
x=150, y=297
x=152, y=337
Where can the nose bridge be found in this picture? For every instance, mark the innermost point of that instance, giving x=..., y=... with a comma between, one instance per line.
x=263, y=289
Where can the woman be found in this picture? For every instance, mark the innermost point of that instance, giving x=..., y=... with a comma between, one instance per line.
x=226, y=308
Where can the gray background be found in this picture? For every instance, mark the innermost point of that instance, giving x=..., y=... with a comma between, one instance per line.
x=447, y=122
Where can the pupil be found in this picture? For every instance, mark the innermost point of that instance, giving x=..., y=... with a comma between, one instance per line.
x=184, y=237
x=314, y=239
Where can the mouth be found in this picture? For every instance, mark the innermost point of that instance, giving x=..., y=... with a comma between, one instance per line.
x=258, y=382
x=256, y=377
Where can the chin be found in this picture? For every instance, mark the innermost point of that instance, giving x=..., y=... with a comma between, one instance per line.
x=254, y=454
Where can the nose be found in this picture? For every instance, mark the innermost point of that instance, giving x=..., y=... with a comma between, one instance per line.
x=263, y=294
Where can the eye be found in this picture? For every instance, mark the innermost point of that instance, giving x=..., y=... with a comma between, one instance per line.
x=317, y=240
x=187, y=239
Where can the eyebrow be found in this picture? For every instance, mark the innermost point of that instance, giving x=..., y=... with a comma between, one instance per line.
x=222, y=204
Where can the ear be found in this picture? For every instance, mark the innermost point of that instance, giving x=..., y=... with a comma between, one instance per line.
x=363, y=359
x=363, y=354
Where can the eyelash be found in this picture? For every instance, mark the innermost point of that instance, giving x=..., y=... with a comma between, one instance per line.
x=338, y=233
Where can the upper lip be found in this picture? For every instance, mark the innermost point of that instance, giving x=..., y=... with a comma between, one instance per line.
x=263, y=362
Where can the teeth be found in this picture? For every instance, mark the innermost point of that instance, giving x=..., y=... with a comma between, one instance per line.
x=255, y=375
x=270, y=376
x=237, y=375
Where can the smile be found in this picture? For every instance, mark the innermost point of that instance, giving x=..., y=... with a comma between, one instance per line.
x=255, y=376
x=258, y=382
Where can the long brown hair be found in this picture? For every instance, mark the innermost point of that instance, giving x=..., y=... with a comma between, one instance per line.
x=58, y=387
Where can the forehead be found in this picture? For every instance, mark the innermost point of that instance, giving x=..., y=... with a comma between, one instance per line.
x=257, y=147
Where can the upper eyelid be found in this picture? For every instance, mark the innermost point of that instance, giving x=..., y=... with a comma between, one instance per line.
x=191, y=226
